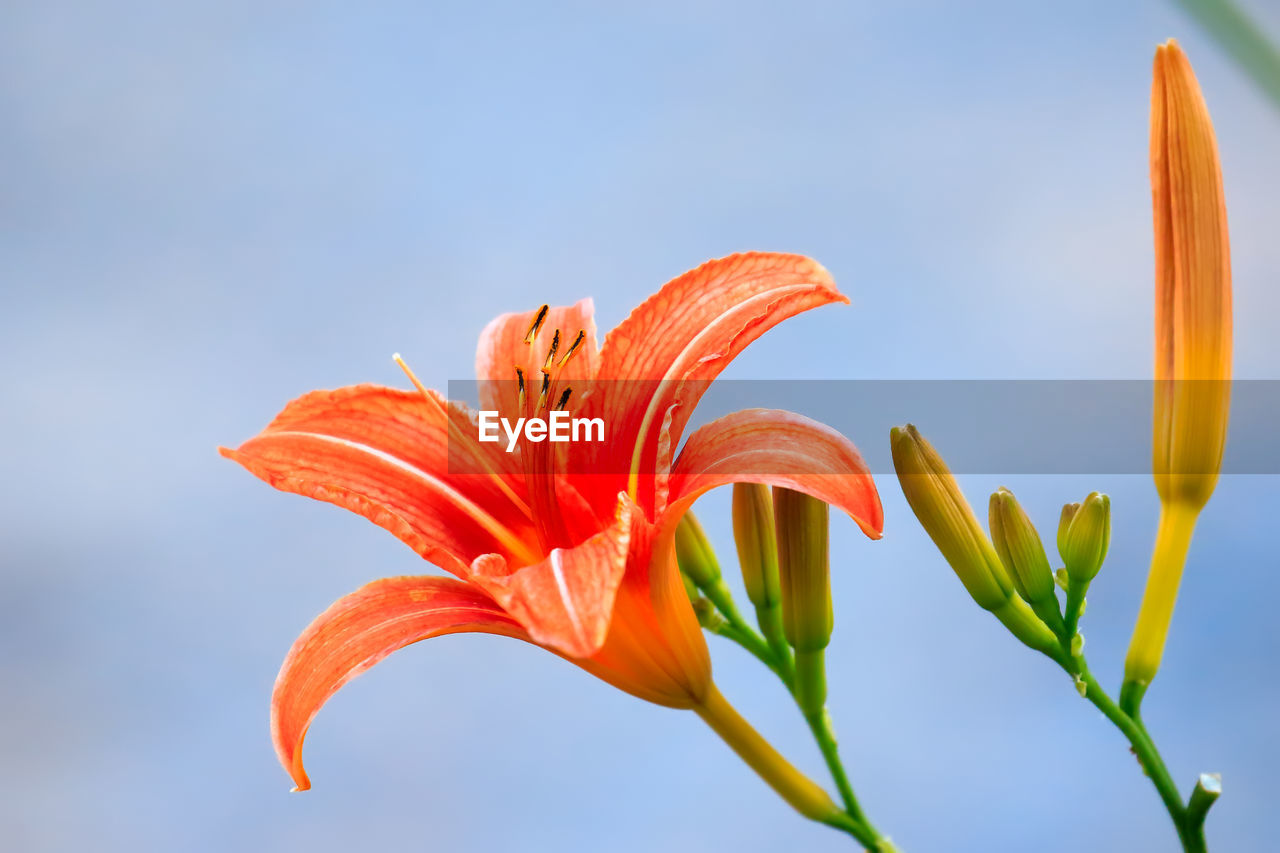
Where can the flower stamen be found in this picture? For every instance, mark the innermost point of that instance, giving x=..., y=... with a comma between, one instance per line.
x=551, y=353
x=546, y=390
x=459, y=439
x=574, y=347
x=536, y=325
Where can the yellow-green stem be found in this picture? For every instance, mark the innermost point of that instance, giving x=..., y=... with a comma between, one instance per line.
x=800, y=792
x=1173, y=538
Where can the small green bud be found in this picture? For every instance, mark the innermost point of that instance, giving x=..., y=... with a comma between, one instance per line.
x=708, y=616
x=1087, y=538
x=1018, y=544
x=1064, y=521
x=803, y=568
x=1060, y=578
x=1081, y=687
x=753, y=533
x=694, y=554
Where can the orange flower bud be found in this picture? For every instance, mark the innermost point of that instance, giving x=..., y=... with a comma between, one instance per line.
x=1193, y=342
x=1193, y=286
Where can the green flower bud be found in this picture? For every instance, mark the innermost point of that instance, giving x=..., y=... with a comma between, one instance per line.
x=1018, y=544
x=1088, y=535
x=936, y=500
x=803, y=568
x=753, y=533
x=708, y=616
x=1068, y=512
x=694, y=554
x=804, y=571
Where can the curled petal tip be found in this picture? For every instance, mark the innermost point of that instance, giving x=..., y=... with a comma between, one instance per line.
x=872, y=533
x=301, y=782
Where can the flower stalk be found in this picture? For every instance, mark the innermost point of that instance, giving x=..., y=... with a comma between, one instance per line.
x=782, y=543
x=800, y=792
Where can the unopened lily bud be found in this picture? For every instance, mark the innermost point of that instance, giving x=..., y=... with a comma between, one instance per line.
x=1193, y=287
x=753, y=533
x=804, y=570
x=1020, y=549
x=1068, y=512
x=694, y=554
x=1193, y=343
x=940, y=506
x=936, y=500
x=708, y=616
x=1087, y=539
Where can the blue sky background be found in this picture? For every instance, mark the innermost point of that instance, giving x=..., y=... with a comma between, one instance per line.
x=209, y=208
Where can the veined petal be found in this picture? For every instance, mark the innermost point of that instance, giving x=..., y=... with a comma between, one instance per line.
x=781, y=449
x=662, y=356
x=566, y=601
x=502, y=349
x=361, y=629
x=385, y=454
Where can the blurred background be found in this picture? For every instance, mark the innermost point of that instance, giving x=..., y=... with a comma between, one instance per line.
x=207, y=209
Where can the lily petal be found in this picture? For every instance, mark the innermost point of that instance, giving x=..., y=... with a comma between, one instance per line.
x=566, y=601
x=655, y=648
x=384, y=454
x=781, y=449
x=361, y=629
x=679, y=339
x=502, y=349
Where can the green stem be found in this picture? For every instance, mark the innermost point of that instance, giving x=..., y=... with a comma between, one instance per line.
x=1074, y=607
x=864, y=835
x=797, y=789
x=1190, y=828
x=820, y=725
x=852, y=820
x=756, y=645
x=769, y=618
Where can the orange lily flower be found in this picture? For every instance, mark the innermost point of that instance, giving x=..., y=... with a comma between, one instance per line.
x=581, y=561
